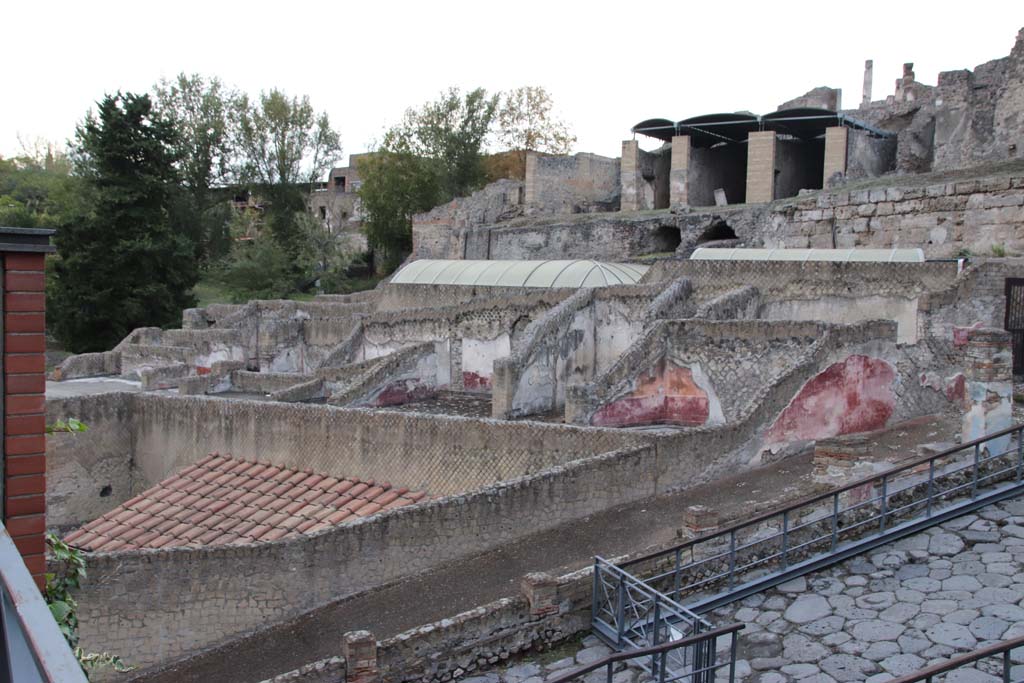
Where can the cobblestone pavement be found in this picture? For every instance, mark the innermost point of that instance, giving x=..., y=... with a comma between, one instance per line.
x=450, y=403
x=916, y=602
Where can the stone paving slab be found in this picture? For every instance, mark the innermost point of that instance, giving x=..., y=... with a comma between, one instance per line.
x=919, y=601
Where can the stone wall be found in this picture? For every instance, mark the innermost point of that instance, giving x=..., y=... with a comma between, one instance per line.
x=979, y=115
x=469, y=337
x=156, y=606
x=581, y=336
x=581, y=183
x=443, y=232
x=942, y=217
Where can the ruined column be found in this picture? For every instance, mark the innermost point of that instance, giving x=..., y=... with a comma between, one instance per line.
x=761, y=167
x=530, y=179
x=679, y=170
x=359, y=648
x=541, y=593
x=632, y=193
x=835, y=152
x=988, y=391
x=869, y=67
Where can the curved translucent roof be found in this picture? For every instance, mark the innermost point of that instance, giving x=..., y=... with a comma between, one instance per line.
x=835, y=255
x=568, y=273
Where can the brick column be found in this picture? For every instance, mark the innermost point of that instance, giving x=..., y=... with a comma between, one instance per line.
x=761, y=167
x=24, y=472
x=360, y=651
x=835, y=152
x=629, y=175
x=678, y=177
x=541, y=592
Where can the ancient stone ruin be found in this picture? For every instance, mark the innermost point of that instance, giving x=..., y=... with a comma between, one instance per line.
x=763, y=307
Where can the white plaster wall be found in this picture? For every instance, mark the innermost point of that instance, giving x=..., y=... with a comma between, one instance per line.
x=615, y=333
x=478, y=355
x=845, y=311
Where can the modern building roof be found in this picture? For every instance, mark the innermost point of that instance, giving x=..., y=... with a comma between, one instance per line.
x=806, y=123
x=834, y=255
x=222, y=500
x=551, y=274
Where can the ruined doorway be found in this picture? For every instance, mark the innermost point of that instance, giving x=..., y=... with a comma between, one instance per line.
x=718, y=234
x=1014, y=320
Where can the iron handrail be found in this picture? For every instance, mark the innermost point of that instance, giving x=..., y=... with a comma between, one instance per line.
x=811, y=500
x=616, y=657
x=1002, y=648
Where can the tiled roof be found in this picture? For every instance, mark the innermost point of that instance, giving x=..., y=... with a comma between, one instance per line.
x=222, y=500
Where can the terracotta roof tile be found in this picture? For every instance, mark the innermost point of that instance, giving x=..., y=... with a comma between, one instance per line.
x=229, y=501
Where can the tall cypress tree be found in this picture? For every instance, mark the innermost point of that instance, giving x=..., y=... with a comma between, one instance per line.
x=120, y=264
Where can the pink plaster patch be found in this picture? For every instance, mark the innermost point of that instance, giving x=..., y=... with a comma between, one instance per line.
x=472, y=381
x=666, y=394
x=852, y=396
x=960, y=333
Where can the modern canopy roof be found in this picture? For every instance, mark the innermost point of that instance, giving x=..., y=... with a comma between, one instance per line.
x=551, y=274
x=805, y=123
x=834, y=255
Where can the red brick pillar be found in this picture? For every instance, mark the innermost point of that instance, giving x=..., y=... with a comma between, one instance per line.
x=359, y=648
x=24, y=401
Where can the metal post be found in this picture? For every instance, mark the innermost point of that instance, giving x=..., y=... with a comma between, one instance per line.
x=977, y=465
x=620, y=611
x=661, y=671
x=654, y=640
x=1020, y=454
x=732, y=658
x=677, y=578
x=785, y=538
x=931, y=485
x=835, y=520
x=1006, y=666
x=595, y=610
x=884, y=503
x=608, y=676
x=732, y=556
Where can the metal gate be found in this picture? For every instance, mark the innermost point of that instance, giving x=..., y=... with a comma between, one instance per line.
x=1014, y=320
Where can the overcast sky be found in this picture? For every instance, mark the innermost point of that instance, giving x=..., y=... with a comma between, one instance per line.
x=607, y=65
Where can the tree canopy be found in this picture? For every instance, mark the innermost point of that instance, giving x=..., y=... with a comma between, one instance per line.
x=433, y=155
x=120, y=264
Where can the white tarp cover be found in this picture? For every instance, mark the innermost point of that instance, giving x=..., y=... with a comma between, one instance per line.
x=551, y=274
x=834, y=255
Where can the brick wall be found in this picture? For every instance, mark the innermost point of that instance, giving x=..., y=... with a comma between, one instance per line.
x=24, y=472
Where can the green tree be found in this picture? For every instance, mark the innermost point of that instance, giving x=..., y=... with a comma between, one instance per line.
x=433, y=155
x=526, y=123
x=200, y=110
x=31, y=185
x=120, y=264
x=396, y=185
x=284, y=146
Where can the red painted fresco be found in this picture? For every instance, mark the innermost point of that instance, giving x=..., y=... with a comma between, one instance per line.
x=666, y=394
x=853, y=396
x=956, y=388
x=405, y=391
x=200, y=370
x=472, y=381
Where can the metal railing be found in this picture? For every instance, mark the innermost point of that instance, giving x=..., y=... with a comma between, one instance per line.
x=718, y=568
x=1003, y=666
x=712, y=667
x=630, y=615
x=32, y=648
